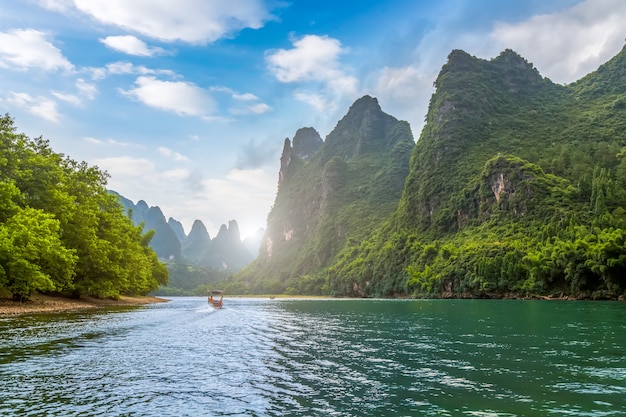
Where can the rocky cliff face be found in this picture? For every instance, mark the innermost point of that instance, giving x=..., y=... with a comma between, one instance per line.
x=333, y=190
x=473, y=115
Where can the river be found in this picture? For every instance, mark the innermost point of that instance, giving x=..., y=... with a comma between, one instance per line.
x=261, y=357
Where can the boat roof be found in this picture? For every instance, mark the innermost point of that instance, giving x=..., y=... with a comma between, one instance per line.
x=216, y=292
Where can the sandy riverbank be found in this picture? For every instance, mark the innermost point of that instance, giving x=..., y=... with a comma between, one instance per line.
x=46, y=304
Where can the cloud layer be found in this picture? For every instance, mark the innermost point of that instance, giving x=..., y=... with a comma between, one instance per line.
x=566, y=46
x=183, y=98
x=313, y=58
x=24, y=49
x=193, y=21
x=131, y=45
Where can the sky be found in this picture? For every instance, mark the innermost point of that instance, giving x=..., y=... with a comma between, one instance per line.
x=186, y=103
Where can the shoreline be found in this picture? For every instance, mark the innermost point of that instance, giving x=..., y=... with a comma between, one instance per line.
x=39, y=303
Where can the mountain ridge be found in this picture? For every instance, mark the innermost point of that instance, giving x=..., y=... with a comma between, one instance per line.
x=516, y=186
x=359, y=168
x=170, y=242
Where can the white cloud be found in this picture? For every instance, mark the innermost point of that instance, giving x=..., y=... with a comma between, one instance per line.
x=178, y=97
x=57, y=5
x=131, y=45
x=126, y=170
x=404, y=92
x=86, y=89
x=171, y=154
x=177, y=174
x=259, y=108
x=40, y=106
x=253, y=105
x=96, y=141
x=121, y=67
x=256, y=108
x=567, y=45
x=194, y=21
x=96, y=73
x=24, y=49
x=313, y=58
x=316, y=101
x=69, y=98
x=403, y=83
x=245, y=97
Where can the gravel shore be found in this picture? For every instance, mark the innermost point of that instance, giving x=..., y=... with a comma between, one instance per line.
x=45, y=304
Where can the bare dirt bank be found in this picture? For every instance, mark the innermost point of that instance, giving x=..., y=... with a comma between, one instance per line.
x=39, y=303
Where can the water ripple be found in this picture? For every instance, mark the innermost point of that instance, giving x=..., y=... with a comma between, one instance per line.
x=317, y=358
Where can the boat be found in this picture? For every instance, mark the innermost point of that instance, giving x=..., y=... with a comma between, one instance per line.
x=216, y=298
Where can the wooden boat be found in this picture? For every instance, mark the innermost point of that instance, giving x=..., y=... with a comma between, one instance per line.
x=216, y=298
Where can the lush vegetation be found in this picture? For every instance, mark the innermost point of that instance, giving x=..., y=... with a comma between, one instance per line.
x=188, y=279
x=516, y=187
x=61, y=231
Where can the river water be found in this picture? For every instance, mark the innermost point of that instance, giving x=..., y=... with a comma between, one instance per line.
x=261, y=357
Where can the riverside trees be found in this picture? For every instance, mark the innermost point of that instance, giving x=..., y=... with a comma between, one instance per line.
x=61, y=230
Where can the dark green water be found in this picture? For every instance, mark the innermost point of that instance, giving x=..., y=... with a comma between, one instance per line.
x=319, y=358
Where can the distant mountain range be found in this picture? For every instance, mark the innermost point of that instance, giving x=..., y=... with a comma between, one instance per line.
x=226, y=251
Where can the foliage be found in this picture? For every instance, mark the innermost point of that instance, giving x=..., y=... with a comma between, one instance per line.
x=61, y=231
x=32, y=256
x=185, y=279
x=516, y=186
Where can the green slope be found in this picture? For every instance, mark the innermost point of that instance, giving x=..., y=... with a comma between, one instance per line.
x=516, y=186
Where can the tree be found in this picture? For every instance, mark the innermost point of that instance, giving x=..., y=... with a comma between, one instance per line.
x=32, y=256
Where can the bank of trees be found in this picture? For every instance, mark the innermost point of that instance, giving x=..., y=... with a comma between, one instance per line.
x=62, y=231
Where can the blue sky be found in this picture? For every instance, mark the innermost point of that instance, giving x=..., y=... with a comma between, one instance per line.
x=186, y=103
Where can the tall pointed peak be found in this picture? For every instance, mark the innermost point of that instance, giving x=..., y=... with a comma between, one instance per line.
x=198, y=228
x=511, y=57
x=222, y=233
x=459, y=60
x=365, y=103
x=155, y=213
x=178, y=228
x=285, y=160
x=142, y=205
x=233, y=229
x=360, y=131
x=306, y=142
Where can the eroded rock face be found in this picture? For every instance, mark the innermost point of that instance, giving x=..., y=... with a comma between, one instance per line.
x=359, y=168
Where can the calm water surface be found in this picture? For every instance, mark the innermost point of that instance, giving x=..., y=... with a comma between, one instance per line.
x=259, y=357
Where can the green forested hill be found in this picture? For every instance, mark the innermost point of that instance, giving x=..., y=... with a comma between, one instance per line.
x=60, y=229
x=517, y=186
x=329, y=198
